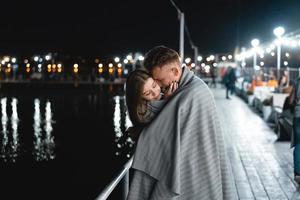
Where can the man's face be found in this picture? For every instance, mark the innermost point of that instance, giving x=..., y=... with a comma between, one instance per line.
x=165, y=74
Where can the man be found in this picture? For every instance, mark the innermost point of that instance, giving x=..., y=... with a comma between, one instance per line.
x=229, y=81
x=181, y=153
x=293, y=103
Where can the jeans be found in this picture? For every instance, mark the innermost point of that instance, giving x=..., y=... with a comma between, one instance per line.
x=296, y=128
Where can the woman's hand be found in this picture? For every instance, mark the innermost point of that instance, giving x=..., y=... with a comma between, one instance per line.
x=171, y=89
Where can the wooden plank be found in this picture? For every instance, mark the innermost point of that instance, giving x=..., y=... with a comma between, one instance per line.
x=262, y=167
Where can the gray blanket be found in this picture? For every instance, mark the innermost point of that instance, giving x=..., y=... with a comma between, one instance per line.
x=181, y=154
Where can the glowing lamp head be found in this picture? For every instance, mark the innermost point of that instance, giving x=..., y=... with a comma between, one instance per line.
x=279, y=31
x=141, y=58
x=187, y=60
x=129, y=57
x=47, y=57
x=6, y=59
x=255, y=42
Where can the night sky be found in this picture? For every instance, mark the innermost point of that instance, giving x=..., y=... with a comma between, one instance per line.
x=110, y=28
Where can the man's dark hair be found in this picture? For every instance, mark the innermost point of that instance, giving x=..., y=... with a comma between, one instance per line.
x=158, y=56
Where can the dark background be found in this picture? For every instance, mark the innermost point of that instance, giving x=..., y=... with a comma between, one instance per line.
x=110, y=28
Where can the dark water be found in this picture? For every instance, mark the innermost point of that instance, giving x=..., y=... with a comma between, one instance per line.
x=65, y=145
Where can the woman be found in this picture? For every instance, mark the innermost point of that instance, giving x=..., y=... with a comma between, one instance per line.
x=283, y=82
x=144, y=99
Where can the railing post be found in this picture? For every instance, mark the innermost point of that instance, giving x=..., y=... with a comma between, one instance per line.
x=125, y=186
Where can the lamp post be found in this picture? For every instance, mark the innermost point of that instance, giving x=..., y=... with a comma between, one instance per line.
x=181, y=31
x=278, y=32
x=181, y=37
x=254, y=43
x=195, y=54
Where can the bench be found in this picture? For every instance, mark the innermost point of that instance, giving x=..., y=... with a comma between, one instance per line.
x=260, y=94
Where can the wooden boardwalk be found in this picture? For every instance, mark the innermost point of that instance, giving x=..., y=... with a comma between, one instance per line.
x=262, y=167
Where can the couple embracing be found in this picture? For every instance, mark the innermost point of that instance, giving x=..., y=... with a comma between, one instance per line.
x=180, y=151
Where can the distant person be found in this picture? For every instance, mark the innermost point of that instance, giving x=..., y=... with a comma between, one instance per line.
x=181, y=153
x=283, y=82
x=294, y=101
x=222, y=74
x=272, y=82
x=229, y=81
x=256, y=82
x=213, y=76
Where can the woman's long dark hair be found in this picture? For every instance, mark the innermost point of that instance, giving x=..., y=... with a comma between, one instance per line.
x=134, y=101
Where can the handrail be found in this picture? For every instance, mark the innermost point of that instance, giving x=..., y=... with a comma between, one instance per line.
x=110, y=187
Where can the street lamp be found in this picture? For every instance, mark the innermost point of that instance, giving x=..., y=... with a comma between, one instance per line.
x=117, y=59
x=254, y=43
x=48, y=57
x=199, y=58
x=278, y=32
x=75, y=68
x=187, y=60
x=141, y=58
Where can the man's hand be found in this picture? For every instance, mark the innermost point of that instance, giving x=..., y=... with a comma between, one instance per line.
x=171, y=89
x=134, y=132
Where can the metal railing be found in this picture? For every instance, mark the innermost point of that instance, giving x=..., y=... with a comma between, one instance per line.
x=124, y=176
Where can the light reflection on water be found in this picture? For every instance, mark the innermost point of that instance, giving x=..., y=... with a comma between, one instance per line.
x=122, y=141
x=10, y=144
x=60, y=144
x=14, y=125
x=44, y=145
x=43, y=139
x=117, y=117
x=4, y=120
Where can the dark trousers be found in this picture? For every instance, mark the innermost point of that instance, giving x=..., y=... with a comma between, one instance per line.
x=229, y=88
x=296, y=128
